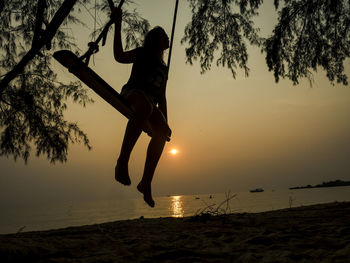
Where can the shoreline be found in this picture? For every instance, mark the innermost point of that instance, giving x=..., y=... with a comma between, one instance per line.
x=306, y=233
x=330, y=184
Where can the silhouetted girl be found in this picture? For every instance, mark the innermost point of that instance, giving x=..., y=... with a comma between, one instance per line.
x=145, y=91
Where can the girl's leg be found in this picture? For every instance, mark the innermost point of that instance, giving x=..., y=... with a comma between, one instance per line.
x=143, y=109
x=155, y=148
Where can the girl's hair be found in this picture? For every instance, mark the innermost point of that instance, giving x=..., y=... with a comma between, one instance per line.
x=151, y=43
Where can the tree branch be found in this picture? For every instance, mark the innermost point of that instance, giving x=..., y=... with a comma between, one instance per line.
x=46, y=37
x=2, y=5
x=38, y=22
x=111, y=4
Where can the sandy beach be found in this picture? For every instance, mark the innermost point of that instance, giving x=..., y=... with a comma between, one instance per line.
x=318, y=233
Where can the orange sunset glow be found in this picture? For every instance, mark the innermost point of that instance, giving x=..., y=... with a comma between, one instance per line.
x=231, y=133
x=174, y=151
x=175, y=131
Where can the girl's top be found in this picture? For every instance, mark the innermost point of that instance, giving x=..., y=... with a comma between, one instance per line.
x=147, y=75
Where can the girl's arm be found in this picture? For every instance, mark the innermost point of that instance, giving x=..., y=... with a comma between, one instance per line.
x=162, y=106
x=119, y=54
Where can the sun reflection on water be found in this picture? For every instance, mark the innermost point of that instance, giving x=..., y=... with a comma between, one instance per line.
x=176, y=206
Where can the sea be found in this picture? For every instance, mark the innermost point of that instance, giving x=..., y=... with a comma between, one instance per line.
x=48, y=217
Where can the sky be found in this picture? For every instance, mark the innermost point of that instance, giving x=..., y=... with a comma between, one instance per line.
x=231, y=134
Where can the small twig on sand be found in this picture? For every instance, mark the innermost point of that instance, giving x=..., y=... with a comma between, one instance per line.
x=213, y=210
x=20, y=229
x=291, y=199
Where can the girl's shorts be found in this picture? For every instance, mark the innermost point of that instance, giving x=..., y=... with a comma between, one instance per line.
x=126, y=91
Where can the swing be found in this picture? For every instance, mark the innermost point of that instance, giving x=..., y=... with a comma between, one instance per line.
x=81, y=70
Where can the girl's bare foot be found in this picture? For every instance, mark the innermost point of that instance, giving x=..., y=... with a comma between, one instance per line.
x=145, y=189
x=122, y=173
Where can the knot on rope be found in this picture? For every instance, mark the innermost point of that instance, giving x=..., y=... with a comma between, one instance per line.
x=93, y=46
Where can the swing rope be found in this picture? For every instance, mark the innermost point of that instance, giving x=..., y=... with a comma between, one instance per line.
x=93, y=46
x=172, y=34
x=80, y=69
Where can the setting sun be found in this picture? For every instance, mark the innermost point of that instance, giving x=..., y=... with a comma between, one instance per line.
x=174, y=151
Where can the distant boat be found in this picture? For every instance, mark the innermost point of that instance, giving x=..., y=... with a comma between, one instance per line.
x=257, y=190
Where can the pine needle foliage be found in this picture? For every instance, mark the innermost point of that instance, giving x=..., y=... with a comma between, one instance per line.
x=221, y=29
x=32, y=105
x=310, y=34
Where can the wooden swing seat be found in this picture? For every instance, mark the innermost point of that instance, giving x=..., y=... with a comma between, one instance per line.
x=77, y=67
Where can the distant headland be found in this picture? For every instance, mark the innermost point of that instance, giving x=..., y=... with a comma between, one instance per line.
x=324, y=184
